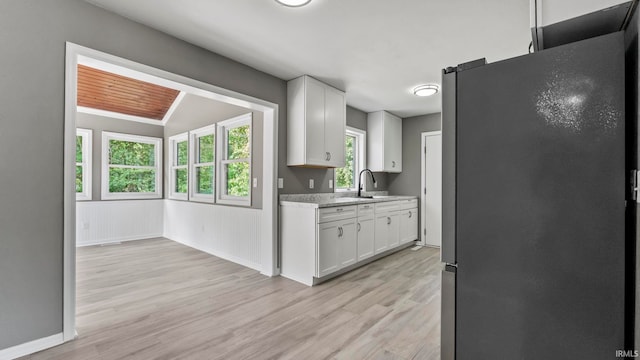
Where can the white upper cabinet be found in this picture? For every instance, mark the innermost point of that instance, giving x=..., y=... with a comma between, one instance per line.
x=316, y=121
x=384, y=142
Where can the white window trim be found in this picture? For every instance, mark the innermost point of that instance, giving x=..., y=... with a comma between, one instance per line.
x=87, y=160
x=173, y=161
x=360, y=157
x=221, y=156
x=193, y=144
x=157, y=142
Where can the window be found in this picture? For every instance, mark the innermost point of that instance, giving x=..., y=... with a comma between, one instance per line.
x=131, y=166
x=179, y=166
x=346, y=178
x=203, y=157
x=234, y=139
x=83, y=164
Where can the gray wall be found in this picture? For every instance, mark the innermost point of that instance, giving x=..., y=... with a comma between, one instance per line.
x=195, y=112
x=408, y=181
x=33, y=35
x=32, y=71
x=99, y=124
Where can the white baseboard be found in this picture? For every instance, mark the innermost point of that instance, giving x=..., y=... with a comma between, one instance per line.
x=119, y=240
x=31, y=347
x=219, y=254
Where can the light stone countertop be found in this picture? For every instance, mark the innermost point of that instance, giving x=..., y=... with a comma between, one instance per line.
x=329, y=200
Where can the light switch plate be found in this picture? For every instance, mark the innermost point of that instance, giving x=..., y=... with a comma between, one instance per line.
x=311, y=184
x=255, y=182
x=280, y=183
x=330, y=184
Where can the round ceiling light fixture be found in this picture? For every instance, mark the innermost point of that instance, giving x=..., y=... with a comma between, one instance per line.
x=293, y=3
x=426, y=90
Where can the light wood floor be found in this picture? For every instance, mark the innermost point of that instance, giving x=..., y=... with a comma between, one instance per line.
x=157, y=299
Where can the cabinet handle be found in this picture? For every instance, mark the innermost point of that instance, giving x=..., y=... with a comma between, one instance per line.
x=328, y=156
x=339, y=231
x=359, y=227
x=393, y=164
x=339, y=209
x=410, y=214
x=388, y=220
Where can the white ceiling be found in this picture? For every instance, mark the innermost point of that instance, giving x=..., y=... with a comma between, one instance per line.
x=375, y=50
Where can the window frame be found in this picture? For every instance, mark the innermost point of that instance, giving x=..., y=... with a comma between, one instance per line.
x=158, y=149
x=86, y=164
x=360, y=157
x=194, y=135
x=221, y=156
x=173, y=166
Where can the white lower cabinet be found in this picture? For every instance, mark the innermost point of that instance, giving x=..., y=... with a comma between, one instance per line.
x=387, y=227
x=408, y=225
x=366, y=231
x=347, y=244
x=317, y=242
x=327, y=254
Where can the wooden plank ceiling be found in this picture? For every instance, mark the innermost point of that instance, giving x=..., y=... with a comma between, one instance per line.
x=103, y=90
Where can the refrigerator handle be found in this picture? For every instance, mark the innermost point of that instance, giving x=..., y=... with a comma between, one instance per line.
x=449, y=94
x=448, y=314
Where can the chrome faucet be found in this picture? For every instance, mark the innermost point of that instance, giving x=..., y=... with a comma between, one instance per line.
x=360, y=180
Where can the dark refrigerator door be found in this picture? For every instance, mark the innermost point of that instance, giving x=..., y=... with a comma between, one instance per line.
x=541, y=205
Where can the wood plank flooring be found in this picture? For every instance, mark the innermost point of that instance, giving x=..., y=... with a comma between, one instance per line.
x=157, y=299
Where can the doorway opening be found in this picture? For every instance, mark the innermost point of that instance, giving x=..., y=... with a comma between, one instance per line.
x=431, y=197
x=263, y=225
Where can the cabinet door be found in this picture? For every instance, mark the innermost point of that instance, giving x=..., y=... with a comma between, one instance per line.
x=408, y=225
x=392, y=143
x=365, y=231
x=327, y=251
x=393, y=230
x=404, y=226
x=315, y=127
x=381, y=238
x=412, y=225
x=347, y=243
x=334, y=126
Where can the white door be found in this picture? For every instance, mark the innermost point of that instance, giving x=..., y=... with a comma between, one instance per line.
x=334, y=126
x=347, y=243
x=327, y=252
x=366, y=228
x=432, y=189
x=315, y=150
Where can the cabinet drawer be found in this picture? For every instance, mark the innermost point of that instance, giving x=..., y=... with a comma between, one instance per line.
x=336, y=213
x=409, y=204
x=366, y=209
x=388, y=206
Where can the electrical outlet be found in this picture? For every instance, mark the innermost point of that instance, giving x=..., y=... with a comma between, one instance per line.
x=310, y=183
x=280, y=183
x=255, y=182
x=330, y=184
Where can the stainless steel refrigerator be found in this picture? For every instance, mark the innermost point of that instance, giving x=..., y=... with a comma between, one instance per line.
x=535, y=196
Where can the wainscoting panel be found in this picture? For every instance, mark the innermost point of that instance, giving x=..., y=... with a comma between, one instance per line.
x=103, y=222
x=228, y=232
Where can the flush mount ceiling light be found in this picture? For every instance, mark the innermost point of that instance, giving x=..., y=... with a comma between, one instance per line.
x=426, y=90
x=293, y=3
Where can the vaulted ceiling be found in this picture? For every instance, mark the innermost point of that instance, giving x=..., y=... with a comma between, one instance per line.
x=102, y=90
